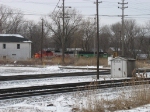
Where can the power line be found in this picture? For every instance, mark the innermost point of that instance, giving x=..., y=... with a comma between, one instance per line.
x=41, y=3
x=56, y=7
x=137, y=15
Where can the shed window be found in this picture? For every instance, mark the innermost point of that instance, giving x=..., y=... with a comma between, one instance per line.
x=18, y=46
x=4, y=46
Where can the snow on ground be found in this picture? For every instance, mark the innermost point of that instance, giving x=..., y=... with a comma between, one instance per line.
x=51, y=103
x=13, y=70
x=48, y=81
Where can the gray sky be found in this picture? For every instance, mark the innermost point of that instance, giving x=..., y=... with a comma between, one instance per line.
x=137, y=9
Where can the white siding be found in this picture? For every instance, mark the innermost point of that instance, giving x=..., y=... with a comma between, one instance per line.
x=124, y=67
x=11, y=51
x=118, y=68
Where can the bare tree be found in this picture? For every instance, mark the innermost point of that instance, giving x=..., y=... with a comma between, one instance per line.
x=105, y=34
x=87, y=34
x=132, y=30
x=70, y=27
x=10, y=20
x=33, y=32
x=148, y=27
x=116, y=37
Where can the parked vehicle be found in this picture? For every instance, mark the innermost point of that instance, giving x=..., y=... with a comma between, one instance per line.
x=45, y=53
x=48, y=53
x=142, y=56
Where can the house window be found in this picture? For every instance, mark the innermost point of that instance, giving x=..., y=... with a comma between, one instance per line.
x=4, y=46
x=18, y=46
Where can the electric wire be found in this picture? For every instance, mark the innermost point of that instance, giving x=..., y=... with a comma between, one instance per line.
x=137, y=9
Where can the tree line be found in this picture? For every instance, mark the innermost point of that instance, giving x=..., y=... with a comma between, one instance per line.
x=80, y=32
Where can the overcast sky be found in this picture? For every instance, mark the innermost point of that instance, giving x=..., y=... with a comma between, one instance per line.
x=108, y=9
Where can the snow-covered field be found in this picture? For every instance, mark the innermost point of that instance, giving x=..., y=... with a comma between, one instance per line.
x=51, y=103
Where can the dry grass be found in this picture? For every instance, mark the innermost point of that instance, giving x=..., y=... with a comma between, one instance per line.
x=127, y=100
x=139, y=95
x=58, y=61
x=75, y=61
x=142, y=63
x=82, y=61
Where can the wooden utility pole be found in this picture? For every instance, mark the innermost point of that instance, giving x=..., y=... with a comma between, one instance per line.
x=63, y=36
x=0, y=27
x=94, y=35
x=122, y=30
x=119, y=43
x=42, y=41
x=97, y=2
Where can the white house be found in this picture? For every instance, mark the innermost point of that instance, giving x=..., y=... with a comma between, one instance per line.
x=14, y=47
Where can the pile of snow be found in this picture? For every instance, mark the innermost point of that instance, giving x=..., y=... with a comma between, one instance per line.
x=16, y=35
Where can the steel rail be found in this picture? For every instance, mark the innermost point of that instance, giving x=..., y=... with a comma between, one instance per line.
x=69, y=87
x=39, y=76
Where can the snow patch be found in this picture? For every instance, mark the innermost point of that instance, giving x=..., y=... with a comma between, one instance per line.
x=16, y=35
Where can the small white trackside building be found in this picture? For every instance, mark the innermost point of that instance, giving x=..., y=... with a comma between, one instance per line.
x=14, y=47
x=122, y=67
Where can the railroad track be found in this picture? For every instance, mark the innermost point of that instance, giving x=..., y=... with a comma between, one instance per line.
x=68, y=87
x=39, y=76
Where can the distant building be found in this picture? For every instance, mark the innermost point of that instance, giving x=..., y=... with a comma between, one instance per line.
x=114, y=51
x=74, y=49
x=142, y=56
x=14, y=47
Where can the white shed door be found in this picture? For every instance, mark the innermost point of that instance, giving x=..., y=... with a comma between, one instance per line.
x=117, y=68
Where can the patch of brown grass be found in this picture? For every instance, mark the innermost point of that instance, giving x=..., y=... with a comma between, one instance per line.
x=58, y=60
x=83, y=61
x=138, y=96
x=142, y=63
x=74, y=61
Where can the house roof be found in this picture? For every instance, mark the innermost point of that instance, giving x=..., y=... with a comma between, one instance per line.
x=13, y=38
